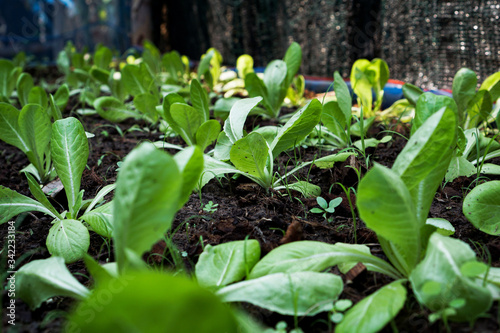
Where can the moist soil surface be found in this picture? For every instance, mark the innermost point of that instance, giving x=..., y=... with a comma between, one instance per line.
x=244, y=209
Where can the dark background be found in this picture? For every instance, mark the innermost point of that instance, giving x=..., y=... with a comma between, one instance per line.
x=424, y=42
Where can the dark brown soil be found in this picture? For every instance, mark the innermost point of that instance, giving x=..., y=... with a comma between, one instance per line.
x=244, y=209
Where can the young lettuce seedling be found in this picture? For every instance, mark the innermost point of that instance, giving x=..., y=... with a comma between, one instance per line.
x=365, y=77
x=278, y=77
x=192, y=123
x=68, y=237
x=253, y=155
x=29, y=130
x=9, y=74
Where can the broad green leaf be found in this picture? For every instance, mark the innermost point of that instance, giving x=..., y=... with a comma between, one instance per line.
x=492, y=84
x=442, y=264
x=412, y=93
x=68, y=239
x=146, y=200
x=134, y=302
x=134, y=81
x=103, y=57
x=482, y=207
x=146, y=104
x=233, y=126
x=226, y=263
x=361, y=84
x=256, y=88
x=275, y=77
x=13, y=204
x=343, y=95
x=214, y=168
x=6, y=86
x=334, y=120
x=464, y=89
x=99, y=74
x=244, y=65
x=199, y=99
x=373, y=312
x=23, y=86
x=327, y=162
x=9, y=127
x=151, y=57
x=100, y=219
x=293, y=294
x=168, y=101
x=292, y=59
x=223, y=147
x=307, y=189
x=443, y=226
x=37, y=192
x=314, y=256
x=371, y=142
x=428, y=104
x=35, y=127
x=386, y=206
x=113, y=109
x=42, y=279
x=188, y=119
x=190, y=164
x=479, y=108
x=69, y=152
x=379, y=74
x=459, y=167
x=207, y=133
x=250, y=155
x=423, y=162
x=297, y=127
x=172, y=63
x=204, y=65
x=61, y=96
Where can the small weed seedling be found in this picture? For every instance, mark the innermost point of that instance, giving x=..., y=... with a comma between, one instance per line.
x=210, y=207
x=326, y=207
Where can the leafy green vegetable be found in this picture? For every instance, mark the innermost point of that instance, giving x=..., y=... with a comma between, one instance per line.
x=112, y=109
x=69, y=239
x=226, y=263
x=294, y=294
x=482, y=207
x=70, y=151
x=372, y=313
x=135, y=300
x=192, y=123
x=365, y=76
x=442, y=264
x=278, y=76
x=41, y=279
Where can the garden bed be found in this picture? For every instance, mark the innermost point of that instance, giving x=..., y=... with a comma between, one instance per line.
x=243, y=210
x=116, y=114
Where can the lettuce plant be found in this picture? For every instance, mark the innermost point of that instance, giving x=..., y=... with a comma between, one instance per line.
x=253, y=155
x=30, y=130
x=366, y=77
x=209, y=68
x=482, y=206
x=9, y=74
x=68, y=237
x=278, y=77
x=395, y=204
x=192, y=123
